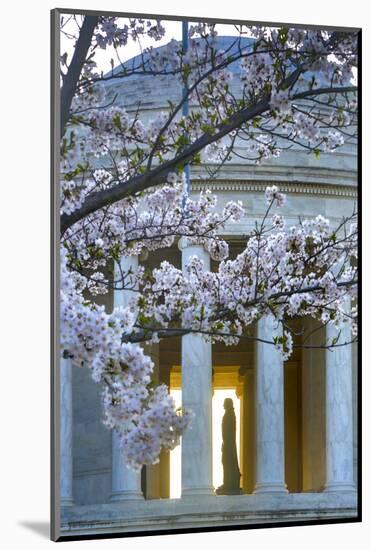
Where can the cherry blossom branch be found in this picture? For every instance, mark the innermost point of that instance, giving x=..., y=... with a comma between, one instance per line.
x=161, y=332
x=158, y=175
x=70, y=80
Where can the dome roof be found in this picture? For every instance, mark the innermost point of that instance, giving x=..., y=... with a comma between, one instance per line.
x=232, y=44
x=152, y=94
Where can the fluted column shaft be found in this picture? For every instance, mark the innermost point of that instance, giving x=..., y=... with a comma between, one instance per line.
x=126, y=484
x=270, y=441
x=197, y=396
x=66, y=470
x=339, y=418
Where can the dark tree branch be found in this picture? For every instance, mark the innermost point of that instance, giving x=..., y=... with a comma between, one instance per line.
x=320, y=91
x=74, y=70
x=158, y=175
x=144, y=336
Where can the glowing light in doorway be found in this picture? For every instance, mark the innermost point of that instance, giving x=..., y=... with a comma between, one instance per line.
x=217, y=416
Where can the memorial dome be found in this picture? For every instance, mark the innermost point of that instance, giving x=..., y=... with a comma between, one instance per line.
x=154, y=92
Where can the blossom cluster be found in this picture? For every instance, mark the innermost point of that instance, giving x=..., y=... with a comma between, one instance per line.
x=145, y=417
x=110, y=32
x=291, y=271
x=280, y=103
x=272, y=193
x=152, y=222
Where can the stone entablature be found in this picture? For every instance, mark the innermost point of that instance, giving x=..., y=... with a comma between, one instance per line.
x=251, y=186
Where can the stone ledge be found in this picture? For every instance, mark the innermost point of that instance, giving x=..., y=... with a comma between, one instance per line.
x=206, y=511
x=252, y=186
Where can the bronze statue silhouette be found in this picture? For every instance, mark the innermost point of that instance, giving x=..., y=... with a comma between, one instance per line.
x=231, y=472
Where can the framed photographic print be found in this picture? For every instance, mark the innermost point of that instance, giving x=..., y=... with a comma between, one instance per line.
x=205, y=270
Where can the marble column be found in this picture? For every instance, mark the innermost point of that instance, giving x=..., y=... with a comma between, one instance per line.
x=197, y=396
x=270, y=446
x=66, y=471
x=339, y=413
x=126, y=484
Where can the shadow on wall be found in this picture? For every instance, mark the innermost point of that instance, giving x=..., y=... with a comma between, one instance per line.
x=42, y=528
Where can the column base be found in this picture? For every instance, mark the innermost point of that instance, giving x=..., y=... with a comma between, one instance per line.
x=340, y=487
x=270, y=487
x=126, y=495
x=198, y=491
